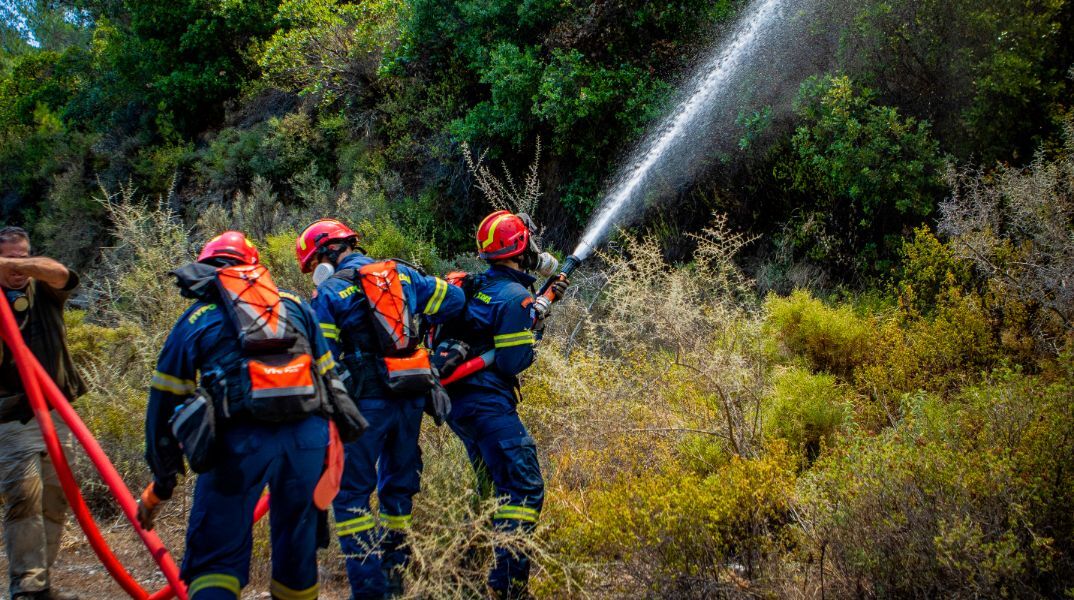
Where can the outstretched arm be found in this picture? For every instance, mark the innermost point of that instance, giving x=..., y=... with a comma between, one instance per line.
x=40, y=268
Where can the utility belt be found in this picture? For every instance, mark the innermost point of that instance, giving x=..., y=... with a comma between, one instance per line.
x=376, y=375
x=264, y=388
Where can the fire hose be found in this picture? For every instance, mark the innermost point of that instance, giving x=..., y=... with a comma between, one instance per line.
x=42, y=392
x=37, y=386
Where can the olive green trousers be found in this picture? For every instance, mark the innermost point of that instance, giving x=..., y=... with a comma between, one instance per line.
x=34, y=507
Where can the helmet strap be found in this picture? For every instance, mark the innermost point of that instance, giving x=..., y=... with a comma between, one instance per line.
x=333, y=250
x=529, y=259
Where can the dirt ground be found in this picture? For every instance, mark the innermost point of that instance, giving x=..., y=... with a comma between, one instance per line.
x=78, y=570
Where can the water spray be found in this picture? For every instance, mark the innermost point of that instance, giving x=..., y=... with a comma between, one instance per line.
x=671, y=137
x=678, y=143
x=673, y=142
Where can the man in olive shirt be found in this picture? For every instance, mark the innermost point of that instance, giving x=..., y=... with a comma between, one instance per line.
x=36, y=288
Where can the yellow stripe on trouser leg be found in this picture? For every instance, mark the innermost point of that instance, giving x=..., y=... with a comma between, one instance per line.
x=353, y=526
x=396, y=521
x=518, y=513
x=215, y=580
x=282, y=592
x=508, y=340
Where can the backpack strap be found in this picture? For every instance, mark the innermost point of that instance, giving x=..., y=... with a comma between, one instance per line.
x=348, y=275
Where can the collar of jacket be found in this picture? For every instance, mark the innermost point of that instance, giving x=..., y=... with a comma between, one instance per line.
x=521, y=277
x=353, y=261
x=196, y=280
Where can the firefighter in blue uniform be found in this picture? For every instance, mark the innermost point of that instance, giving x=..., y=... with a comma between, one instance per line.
x=387, y=458
x=287, y=456
x=500, y=315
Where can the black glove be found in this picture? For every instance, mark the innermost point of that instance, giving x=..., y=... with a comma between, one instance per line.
x=448, y=356
x=559, y=287
x=438, y=405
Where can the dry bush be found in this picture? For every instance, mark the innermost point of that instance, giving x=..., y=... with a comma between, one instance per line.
x=967, y=497
x=505, y=194
x=697, y=322
x=260, y=213
x=645, y=401
x=133, y=304
x=1016, y=226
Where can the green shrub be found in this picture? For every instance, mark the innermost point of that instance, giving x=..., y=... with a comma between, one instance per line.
x=928, y=269
x=835, y=340
x=675, y=531
x=938, y=353
x=278, y=254
x=966, y=497
x=276, y=150
x=807, y=410
x=869, y=171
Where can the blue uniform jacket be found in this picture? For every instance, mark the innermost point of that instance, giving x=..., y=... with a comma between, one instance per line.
x=500, y=316
x=342, y=310
x=203, y=332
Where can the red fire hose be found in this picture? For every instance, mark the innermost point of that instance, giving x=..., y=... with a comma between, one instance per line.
x=470, y=367
x=34, y=379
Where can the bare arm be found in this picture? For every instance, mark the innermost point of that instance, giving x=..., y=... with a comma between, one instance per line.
x=40, y=268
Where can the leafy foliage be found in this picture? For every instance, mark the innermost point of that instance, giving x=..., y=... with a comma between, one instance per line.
x=872, y=171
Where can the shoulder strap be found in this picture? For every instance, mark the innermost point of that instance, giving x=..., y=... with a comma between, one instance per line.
x=348, y=275
x=409, y=264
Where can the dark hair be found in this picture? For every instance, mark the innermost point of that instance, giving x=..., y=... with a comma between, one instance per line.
x=12, y=233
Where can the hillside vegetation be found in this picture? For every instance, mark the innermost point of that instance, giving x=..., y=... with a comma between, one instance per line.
x=840, y=366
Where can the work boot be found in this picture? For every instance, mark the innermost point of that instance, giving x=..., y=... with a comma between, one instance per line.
x=54, y=594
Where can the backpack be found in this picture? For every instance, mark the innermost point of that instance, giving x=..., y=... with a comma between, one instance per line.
x=403, y=366
x=270, y=378
x=277, y=358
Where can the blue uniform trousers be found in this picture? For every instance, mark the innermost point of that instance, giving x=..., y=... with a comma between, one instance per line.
x=289, y=458
x=386, y=459
x=503, y=454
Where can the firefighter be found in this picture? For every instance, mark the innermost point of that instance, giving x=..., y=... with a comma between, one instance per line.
x=500, y=314
x=387, y=458
x=267, y=431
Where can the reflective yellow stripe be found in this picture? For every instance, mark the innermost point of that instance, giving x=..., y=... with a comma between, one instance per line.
x=508, y=340
x=281, y=591
x=492, y=231
x=326, y=363
x=330, y=331
x=433, y=306
x=404, y=277
x=215, y=580
x=169, y=383
x=518, y=513
x=396, y=521
x=352, y=526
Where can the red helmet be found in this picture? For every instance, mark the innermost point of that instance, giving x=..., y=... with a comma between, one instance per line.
x=230, y=244
x=318, y=235
x=502, y=235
